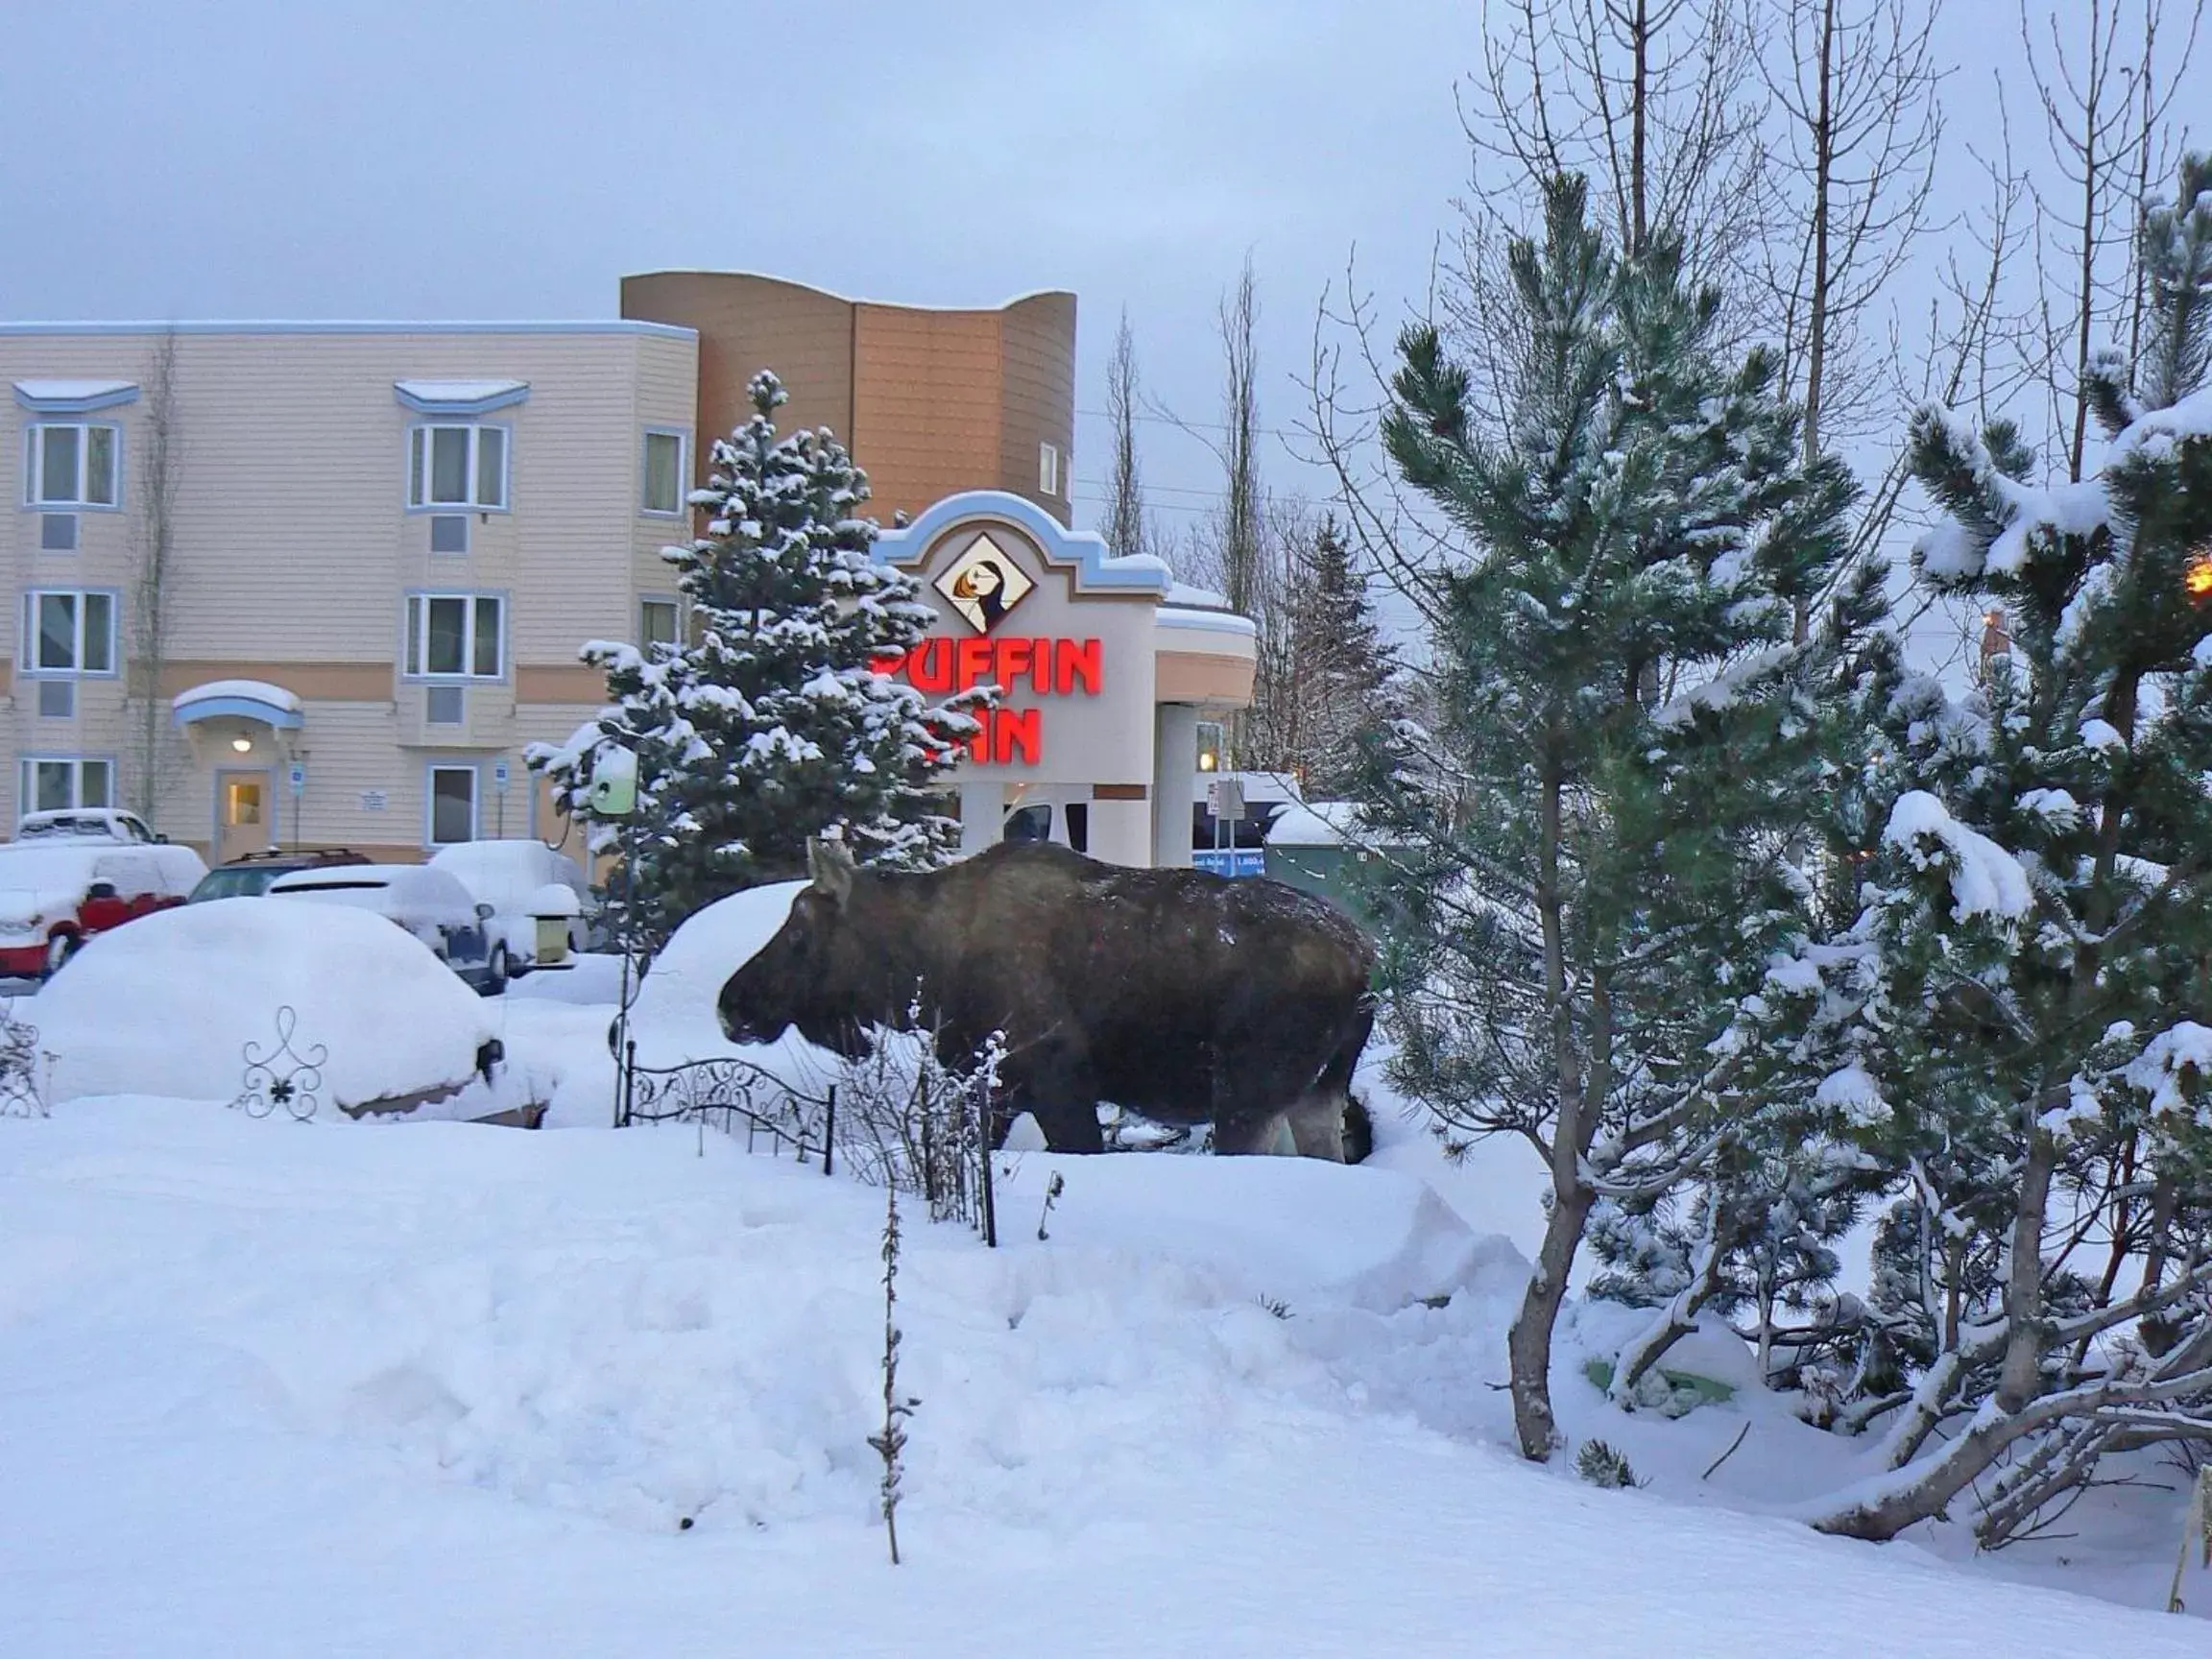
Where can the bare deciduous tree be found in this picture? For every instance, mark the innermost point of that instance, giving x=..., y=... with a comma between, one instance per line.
x=1852, y=84
x=153, y=580
x=2107, y=93
x=1125, y=529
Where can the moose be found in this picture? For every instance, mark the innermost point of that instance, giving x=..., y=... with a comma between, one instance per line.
x=1184, y=996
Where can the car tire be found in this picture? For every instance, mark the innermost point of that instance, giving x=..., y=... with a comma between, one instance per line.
x=58, y=950
x=498, y=973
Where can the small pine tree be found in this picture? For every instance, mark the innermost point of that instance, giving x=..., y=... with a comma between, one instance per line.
x=772, y=727
x=2021, y=1013
x=1590, y=870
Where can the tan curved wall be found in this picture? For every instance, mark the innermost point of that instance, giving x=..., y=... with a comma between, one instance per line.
x=930, y=402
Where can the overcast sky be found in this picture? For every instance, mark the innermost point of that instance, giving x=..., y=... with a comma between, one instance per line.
x=244, y=158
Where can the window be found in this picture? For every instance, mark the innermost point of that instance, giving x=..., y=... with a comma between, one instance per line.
x=71, y=465
x=455, y=635
x=452, y=805
x=457, y=467
x=664, y=472
x=1048, y=469
x=58, y=783
x=1212, y=746
x=69, y=632
x=658, y=623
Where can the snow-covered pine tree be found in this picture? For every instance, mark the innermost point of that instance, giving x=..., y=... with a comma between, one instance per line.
x=2022, y=1012
x=1341, y=661
x=771, y=727
x=1595, y=828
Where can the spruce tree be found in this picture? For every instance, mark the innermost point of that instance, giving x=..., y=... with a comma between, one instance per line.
x=2023, y=1012
x=1594, y=834
x=1341, y=663
x=771, y=726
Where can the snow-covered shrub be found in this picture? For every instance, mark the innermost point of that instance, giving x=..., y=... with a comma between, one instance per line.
x=1604, y=1465
x=909, y=1121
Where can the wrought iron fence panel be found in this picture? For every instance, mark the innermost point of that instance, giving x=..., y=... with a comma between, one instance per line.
x=282, y=1076
x=23, y=1067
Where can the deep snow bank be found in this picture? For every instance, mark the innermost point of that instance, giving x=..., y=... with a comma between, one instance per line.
x=274, y=1390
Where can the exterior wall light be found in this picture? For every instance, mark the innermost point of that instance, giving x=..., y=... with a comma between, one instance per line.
x=244, y=745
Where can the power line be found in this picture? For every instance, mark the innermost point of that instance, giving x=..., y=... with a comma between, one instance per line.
x=1202, y=425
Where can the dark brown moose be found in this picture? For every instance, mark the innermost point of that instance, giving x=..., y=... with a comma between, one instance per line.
x=1184, y=996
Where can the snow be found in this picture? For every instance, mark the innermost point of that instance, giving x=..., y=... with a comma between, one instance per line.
x=420, y=895
x=2101, y=734
x=2189, y=418
x=168, y=1004
x=275, y=1390
x=674, y=1018
x=38, y=392
x=459, y=392
x=2167, y=1063
x=2072, y=508
x=507, y=874
x=251, y=691
x=1985, y=880
x=1316, y=824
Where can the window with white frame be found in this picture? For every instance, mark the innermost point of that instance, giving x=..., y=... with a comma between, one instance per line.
x=452, y=805
x=658, y=622
x=59, y=782
x=456, y=636
x=1048, y=469
x=71, y=464
x=68, y=631
x=664, y=474
x=457, y=467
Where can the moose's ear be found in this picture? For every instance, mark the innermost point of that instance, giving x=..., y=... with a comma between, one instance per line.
x=832, y=868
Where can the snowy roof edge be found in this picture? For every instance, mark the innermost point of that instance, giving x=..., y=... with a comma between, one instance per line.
x=358, y=325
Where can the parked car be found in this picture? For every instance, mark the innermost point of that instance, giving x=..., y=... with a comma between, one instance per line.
x=86, y=823
x=248, y=875
x=427, y=903
x=541, y=902
x=54, y=895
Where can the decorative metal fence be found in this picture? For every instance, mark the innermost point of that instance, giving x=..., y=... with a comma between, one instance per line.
x=736, y=1096
x=22, y=1067
x=926, y=1136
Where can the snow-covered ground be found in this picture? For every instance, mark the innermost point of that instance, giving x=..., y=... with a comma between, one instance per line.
x=280, y=1388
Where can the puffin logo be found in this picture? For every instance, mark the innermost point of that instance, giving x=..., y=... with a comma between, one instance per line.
x=983, y=585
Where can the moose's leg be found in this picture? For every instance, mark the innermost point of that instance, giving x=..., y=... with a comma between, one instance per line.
x=1056, y=1087
x=1321, y=1121
x=1316, y=1126
x=1261, y=1135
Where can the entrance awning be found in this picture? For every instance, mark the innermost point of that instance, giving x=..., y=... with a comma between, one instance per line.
x=239, y=699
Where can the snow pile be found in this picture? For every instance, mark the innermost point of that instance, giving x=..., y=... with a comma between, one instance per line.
x=673, y=1019
x=1316, y=824
x=169, y=1004
x=274, y=1393
x=1985, y=880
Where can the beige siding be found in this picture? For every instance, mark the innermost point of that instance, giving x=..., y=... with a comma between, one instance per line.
x=295, y=550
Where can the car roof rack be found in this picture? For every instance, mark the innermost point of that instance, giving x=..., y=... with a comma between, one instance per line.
x=301, y=855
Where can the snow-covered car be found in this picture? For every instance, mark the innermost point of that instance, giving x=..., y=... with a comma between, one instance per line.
x=54, y=895
x=427, y=901
x=532, y=926
x=181, y=1004
x=85, y=823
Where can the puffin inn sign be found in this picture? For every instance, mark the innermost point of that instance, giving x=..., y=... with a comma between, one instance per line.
x=1104, y=665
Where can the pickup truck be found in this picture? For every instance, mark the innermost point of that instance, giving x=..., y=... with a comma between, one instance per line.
x=56, y=894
